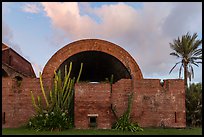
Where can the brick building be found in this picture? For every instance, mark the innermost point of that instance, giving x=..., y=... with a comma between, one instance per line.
x=12, y=64
x=154, y=103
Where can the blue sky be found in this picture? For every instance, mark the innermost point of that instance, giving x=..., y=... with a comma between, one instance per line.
x=38, y=30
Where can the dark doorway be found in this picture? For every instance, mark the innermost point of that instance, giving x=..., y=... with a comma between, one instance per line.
x=93, y=121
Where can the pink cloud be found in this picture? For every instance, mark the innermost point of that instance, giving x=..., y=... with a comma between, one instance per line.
x=66, y=17
x=144, y=32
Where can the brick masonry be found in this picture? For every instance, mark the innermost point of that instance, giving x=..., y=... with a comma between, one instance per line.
x=153, y=105
x=12, y=64
x=92, y=99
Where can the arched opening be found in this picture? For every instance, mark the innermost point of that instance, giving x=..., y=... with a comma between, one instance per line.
x=18, y=80
x=4, y=73
x=97, y=67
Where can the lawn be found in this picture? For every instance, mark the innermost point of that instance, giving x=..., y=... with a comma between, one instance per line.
x=147, y=131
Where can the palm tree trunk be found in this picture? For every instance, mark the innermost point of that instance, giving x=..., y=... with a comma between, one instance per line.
x=185, y=76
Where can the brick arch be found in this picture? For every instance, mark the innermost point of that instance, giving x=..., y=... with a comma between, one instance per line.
x=91, y=45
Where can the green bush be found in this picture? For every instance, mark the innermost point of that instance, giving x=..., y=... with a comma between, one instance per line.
x=50, y=121
x=194, y=105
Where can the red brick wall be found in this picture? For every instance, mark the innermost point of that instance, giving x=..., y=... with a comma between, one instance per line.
x=5, y=56
x=92, y=99
x=17, y=62
x=16, y=101
x=153, y=104
x=119, y=96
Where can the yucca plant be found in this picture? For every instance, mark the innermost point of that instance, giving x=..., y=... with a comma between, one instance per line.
x=60, y=98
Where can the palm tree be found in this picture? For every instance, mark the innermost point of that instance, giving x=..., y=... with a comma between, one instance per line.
x=187, y=49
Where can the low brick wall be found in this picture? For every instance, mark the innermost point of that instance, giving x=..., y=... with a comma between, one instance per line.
x=92, y=99
x=156, y=105
x=153, y=105
x=17, y=106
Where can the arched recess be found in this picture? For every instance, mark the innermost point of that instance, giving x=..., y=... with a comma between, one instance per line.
x=97, y=67
x=106, y=50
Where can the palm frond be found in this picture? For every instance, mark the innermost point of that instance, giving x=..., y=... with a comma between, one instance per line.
x=195, y=58
x=174, y=66
x=196, y=44
x=180, y=70
x=199, y=62
x=189, y=75
x=195, y=64
x=191, y=68
x=174, y=54
x=197, y=52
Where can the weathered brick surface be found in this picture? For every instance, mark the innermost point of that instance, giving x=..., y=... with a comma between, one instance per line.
x=16, y=101
x=155, y=105
x=119, y=96
x=15, y=61
x=92, y=99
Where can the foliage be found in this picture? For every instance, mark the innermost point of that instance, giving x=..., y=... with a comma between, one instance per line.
x=188, y=51
x=50, y=121
x=194, y=105
x=59, y=101
x=124, y=123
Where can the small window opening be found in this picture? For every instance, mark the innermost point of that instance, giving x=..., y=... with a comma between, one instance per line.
x=18, y=80
x=93, y=122
x=4, y=118
x=175, y=117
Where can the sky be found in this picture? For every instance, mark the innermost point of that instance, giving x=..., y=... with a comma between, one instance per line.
x=37, y=30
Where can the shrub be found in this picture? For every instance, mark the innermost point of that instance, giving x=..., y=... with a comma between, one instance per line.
x=50, y=121
x=58, y=113
x=194, y=105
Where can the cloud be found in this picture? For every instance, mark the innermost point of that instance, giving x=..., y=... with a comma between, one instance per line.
x=6, y=32
x=31, y=8
x=37, y=68
x=183, y=17
x=7, y=38
x=66, y=17
x=145, y=32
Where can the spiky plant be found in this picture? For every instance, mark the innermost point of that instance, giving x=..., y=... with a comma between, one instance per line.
x=59, y=99
x=124, y=123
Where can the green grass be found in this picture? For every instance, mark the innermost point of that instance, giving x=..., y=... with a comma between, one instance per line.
x=147, y=131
